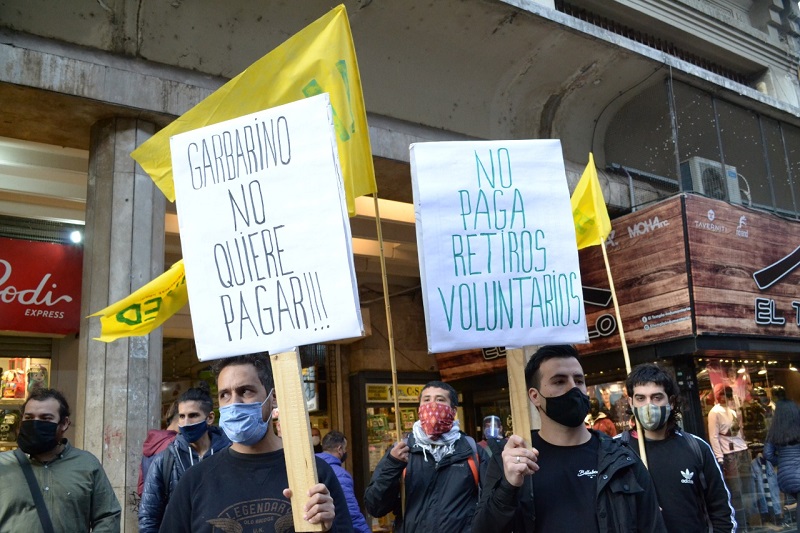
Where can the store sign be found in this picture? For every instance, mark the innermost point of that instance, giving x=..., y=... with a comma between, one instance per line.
x=745, y=269
x=465, y=363
x=40, y=287
x=265, y=234
x=496, y=241
x=646, y=254
x=382, y=393
x=744, y=266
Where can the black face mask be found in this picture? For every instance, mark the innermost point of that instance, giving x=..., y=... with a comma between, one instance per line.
x=37, y=436
x=569, y=409
x=344, y=457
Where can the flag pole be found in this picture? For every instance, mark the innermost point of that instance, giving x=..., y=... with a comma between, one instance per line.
x=389, y=335
x=625, y=354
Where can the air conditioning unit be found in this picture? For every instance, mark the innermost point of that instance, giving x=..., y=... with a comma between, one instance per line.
x=707, y=178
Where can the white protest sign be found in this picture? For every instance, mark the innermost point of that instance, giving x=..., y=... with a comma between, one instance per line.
x=496, y=243
x=264, y=231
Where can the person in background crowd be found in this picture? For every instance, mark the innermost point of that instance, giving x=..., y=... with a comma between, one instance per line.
x=334, y=446
x=492, y=435
x=439, y=466
x=622, y=412
x=700, y=498
x=157, y=441
x=760, y=394
x=76, y=493
x=197, y=440
x=574, y=478
x=244, y=487
x=316, y=440
x=607, y=407
x=598, y=420
x=730, y=449
x=782, y=449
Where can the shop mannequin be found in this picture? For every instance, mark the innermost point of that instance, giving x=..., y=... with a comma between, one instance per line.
x=730, y=449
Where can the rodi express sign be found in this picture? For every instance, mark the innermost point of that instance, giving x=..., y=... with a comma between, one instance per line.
x=40, y=287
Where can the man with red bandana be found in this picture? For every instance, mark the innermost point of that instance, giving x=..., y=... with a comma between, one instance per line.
x=438, y=466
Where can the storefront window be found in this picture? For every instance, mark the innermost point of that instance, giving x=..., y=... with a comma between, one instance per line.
x=738, y=400
x=610, y=412
x=19, y=376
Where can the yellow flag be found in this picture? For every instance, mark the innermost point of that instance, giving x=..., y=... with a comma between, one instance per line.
x=592, y=224
x=146, y=309
x=318, y=59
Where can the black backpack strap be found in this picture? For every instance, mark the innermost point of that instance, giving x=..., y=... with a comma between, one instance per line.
x=38, y=500
x=698, y=455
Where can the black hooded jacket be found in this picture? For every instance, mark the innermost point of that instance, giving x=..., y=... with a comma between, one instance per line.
x=156, y=495
x=626, y=499
x=440, y=497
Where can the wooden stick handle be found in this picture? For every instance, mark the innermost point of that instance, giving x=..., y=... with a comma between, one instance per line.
x=518, y=394
x=301, y=466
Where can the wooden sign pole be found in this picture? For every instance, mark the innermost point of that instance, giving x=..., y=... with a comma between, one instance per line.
x=518, y=394
x=626, y=356
x=301, y=466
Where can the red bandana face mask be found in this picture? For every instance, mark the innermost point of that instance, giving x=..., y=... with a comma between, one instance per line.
x=436, y=419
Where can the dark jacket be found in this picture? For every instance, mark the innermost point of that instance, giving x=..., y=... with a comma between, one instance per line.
x=626, y=498
x=440, y=497
x=346, y=481
x=156, y=441
x=787, y=460
x=155, y=495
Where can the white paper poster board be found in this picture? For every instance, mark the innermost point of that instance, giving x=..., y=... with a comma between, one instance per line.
x=496, y=243
x=264, y=231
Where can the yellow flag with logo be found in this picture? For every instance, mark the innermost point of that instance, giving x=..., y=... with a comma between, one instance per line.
x=589, y=212
x=320, y=58
x=146, y=309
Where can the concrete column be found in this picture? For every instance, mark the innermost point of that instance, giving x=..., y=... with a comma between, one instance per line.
x=123, y=250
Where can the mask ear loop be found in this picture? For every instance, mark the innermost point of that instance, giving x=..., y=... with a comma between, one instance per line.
x=269, y=405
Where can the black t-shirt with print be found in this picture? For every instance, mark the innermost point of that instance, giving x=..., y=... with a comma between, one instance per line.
x=231, y=491
x=565, y=486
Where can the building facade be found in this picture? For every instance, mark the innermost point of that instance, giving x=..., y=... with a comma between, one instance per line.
x=670, y=96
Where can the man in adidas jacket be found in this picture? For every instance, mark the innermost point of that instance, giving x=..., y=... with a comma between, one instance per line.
x=688, y=480
x=439, y=465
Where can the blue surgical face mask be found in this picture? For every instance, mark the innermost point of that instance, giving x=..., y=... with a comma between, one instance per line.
x=194, y=432
x=244, y=423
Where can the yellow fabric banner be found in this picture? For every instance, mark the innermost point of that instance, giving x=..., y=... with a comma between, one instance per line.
x=592, y=224
x=320, y=58
x=146, y=309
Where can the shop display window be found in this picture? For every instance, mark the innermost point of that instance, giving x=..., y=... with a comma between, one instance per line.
x=737, y=398
x=610, y=412
x=19, y=376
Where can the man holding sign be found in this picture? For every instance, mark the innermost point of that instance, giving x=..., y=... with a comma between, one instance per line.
x=243, y=488
x=573, y=479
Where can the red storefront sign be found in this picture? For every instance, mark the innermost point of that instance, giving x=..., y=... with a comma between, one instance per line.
x=40, y=287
